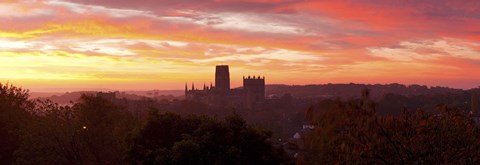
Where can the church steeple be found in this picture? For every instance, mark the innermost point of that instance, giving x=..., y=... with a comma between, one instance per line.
x=186, y=91
x=193, y=86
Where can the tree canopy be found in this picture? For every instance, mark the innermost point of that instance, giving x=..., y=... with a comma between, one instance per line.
x=353, y=133
x=167, y=138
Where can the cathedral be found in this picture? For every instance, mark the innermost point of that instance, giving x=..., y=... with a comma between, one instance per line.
x=251, y=95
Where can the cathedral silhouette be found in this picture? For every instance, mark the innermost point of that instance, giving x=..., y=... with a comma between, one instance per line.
x=251, y=95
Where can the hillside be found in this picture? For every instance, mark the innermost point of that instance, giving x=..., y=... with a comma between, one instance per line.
x=353, y=90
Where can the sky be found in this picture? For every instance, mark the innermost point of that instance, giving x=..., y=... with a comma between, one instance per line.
x=53, y=45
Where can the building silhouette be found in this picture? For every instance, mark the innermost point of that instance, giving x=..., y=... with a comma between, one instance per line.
x=253, y=90
x=222, y=78
x=251, y=95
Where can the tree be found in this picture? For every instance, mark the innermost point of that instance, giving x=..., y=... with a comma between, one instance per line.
x=14, y=115
x=50, y=137
x=172, y=139
x=350, y=133
x=104, y=127
x=92, y=131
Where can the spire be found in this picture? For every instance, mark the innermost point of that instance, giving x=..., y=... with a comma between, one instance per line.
x=186, y=87
x=204, y=86
x=193, y=86
x=211, y=86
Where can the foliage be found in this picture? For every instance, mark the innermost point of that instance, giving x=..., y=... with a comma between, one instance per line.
x=14, y=113
x=89, y=132
x=353, y=133
x=172, y=139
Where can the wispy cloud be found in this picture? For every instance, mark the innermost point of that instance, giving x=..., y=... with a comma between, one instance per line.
x=429, y=50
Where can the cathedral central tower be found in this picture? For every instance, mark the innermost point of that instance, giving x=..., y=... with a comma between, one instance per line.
x=222, y=78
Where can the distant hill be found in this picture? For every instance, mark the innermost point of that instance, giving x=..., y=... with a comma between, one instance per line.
x=65, y=98
x=354, y=90
x=154, y=93
x=345, y=91
x=44, y=94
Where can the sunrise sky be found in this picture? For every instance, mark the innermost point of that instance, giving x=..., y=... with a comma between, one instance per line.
x=161, y=44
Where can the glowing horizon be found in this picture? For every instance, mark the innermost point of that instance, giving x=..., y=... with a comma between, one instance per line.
x=146, y=44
